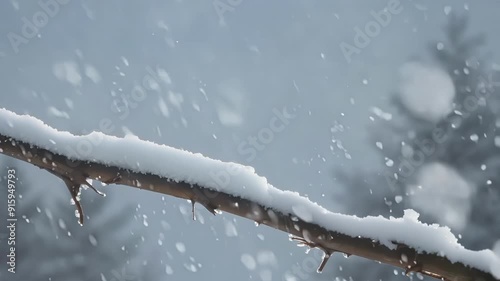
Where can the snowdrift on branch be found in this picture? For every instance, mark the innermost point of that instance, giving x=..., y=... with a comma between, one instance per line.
x=29, y=139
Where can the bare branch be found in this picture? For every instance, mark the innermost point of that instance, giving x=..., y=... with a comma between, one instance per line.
x=76, y=173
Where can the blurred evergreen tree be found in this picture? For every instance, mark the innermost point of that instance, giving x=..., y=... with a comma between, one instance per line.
x=51, y=245
x=470, y=146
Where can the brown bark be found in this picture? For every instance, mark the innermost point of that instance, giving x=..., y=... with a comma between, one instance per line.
x=75, y=173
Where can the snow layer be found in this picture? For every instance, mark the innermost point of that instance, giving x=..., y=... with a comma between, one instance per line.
x=147, y=157
x=426, y=91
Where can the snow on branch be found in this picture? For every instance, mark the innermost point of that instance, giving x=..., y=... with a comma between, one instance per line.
x=402, y=242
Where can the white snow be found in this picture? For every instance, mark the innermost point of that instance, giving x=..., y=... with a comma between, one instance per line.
x=163, y=107
x=442, y=193
x=68, y=71
x=169, y=270
x=426, y=91
x=447, y=10
x=163, y=75
x=57, y=113
x=125, y=61
x=497, y=141
x=303, y=212
x=176, y=99
x=92, y=240
x=231, y=103
x=267, y=257
x=92, y=73
x=227, y=116
x=379, y=112
x=230, y=229
x=147, y=157
x=248, y=261
x=69, y=103
x=180, y=247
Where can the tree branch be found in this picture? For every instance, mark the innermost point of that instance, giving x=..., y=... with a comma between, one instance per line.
x=75, y=173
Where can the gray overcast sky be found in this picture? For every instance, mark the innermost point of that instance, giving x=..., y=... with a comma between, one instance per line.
x=227, y=76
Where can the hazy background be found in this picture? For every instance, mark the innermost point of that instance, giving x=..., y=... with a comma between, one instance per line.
x=210, y=81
